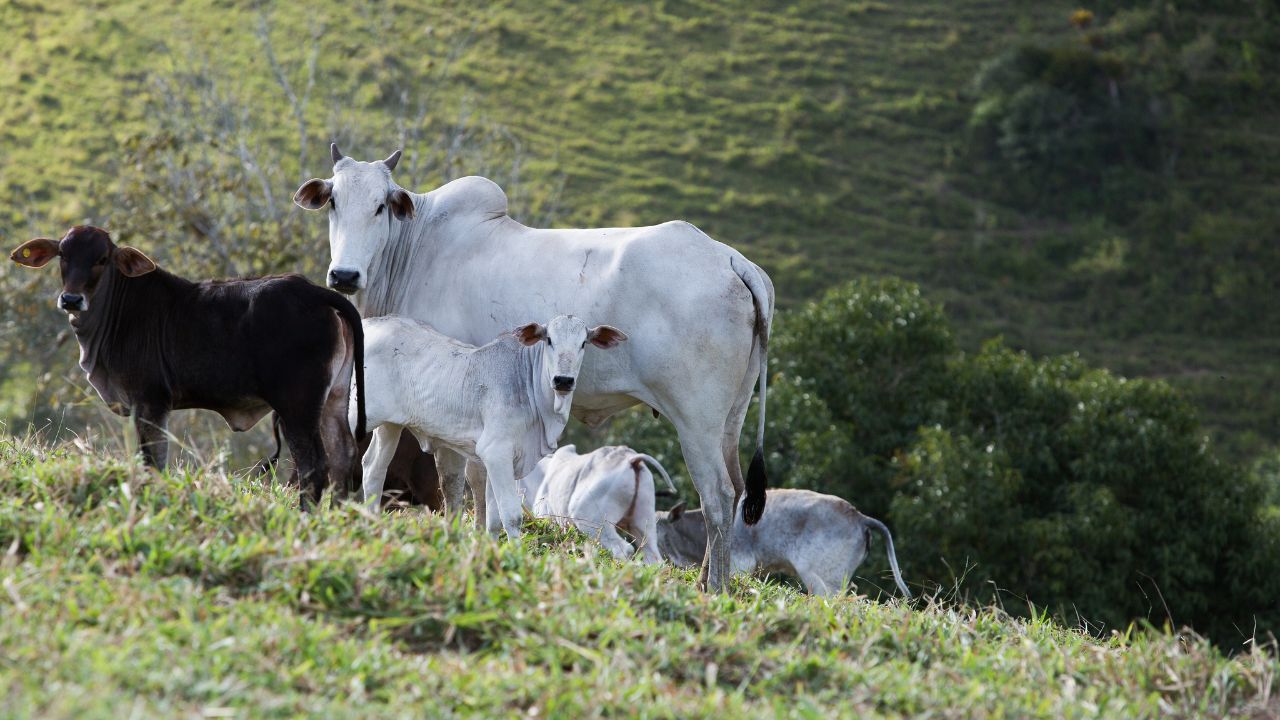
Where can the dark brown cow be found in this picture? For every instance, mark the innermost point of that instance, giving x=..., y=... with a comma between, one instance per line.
x=152, y=342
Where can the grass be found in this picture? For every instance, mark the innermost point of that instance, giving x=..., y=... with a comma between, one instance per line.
x=130, y=593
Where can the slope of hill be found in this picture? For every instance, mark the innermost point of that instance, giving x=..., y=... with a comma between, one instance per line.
x=128, y=593
x=824, y=139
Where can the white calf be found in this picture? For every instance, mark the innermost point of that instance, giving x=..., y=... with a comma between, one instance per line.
x=598, y=493
x=818, y=538
x=503, y=405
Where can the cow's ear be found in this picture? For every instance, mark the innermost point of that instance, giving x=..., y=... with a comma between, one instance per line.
x=676, y=511
x=35, y=253
x=401, y=204
x=314, y=194
x=132, y=262
x=530, y=334
x=605, y=336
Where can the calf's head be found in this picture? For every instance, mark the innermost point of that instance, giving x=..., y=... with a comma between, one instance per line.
x=85, y=253
x=564, y=341
x=363, y=201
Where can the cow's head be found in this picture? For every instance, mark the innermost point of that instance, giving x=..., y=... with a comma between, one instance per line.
x=682, y=536
x=564, y=341
x=85, y=253
x=363, y=200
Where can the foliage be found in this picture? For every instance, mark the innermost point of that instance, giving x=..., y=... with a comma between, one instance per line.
x=141, y=594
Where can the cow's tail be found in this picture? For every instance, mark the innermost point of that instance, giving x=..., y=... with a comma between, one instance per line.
x=641, y=457
x=757, y=481
x=893, y=557
x=351, y=316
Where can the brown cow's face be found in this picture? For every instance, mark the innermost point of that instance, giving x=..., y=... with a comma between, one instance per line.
x=83, y=254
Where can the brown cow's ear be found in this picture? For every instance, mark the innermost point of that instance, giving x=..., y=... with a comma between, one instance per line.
x=530, y=334
x=314, y=194
x=676, y=511
x=401, y=204
x=35, y=253
x=605, y=336
x=132, y=262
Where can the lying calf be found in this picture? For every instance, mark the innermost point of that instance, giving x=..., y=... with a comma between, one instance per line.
x=503, y=405
x=152, y=342
x=820, y=539
x=598, y=493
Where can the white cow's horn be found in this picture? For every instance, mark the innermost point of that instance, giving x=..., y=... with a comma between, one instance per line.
x=335, y=152
x=391, y=161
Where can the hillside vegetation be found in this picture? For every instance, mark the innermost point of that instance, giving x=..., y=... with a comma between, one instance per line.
x=130, y=593
x=826, y=140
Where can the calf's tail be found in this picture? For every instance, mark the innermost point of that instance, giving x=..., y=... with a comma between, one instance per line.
x=757, y=481
x=893, y=557
x=351, y=316
x=641, y=457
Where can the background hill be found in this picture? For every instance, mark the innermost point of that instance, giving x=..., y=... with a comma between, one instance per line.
x=826, y=140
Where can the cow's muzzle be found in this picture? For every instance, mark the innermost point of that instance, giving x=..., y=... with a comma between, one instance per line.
x=72, y=302
x=562, y=383
x=344, y=281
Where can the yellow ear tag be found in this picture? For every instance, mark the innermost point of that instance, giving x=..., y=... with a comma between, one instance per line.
x=26, y=252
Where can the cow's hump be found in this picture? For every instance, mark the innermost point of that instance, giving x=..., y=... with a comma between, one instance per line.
x=471, y=195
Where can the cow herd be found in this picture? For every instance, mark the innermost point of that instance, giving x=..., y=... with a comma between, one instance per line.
x=477, y=337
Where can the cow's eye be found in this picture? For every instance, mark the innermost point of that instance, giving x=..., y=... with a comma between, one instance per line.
x=379, y=210
x=584, y=343
x=333, y=204
x=549, y=342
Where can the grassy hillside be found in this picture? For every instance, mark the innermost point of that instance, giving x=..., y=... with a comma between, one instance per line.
x=824, y=139
x=130, y=593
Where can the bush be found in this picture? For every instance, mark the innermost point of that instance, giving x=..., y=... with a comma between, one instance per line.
x=1004, y=475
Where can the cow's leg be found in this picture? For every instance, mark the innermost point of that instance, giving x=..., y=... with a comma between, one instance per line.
x=479, y=484
x=151, y=421
x=339, y=445
x=823, y=584
x=643, y=522
x=376, y=459
x=499, y=467
x=492, y=518
x=451, y=467
x=307, y=448
x=608, y=537
x=705, y=459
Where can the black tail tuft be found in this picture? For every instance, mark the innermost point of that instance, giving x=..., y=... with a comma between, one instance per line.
x=753, y=504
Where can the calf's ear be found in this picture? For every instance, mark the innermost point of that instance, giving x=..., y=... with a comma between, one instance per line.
x=35, y=253
x=676, y=511
x=605, y=336
x=314, y=194
x=132, y=262
x=401, y=204
x=530, y=334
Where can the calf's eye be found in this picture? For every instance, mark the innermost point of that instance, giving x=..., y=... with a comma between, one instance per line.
x=379, y=210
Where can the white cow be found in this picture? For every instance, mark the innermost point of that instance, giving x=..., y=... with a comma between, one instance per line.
x=698, y=312
x=598, y=493
x=503, y=405
x=818, y=538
